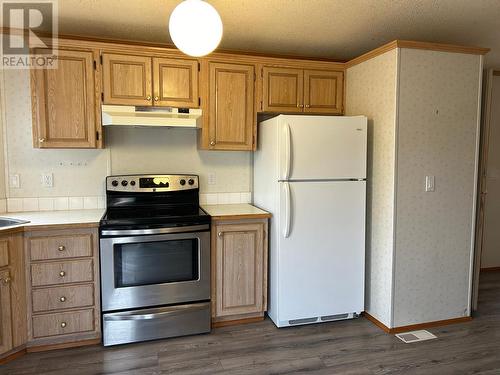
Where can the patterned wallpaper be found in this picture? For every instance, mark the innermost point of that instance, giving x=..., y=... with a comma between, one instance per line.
x=371, y=91
x=437, y=134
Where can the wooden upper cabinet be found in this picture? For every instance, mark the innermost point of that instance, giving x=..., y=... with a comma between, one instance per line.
x=232, y=122
x=175, y=82
x=127, y=79
x=64, y=102
x=282, y=89
x=323, y=91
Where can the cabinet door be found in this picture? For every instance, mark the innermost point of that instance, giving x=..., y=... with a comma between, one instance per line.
x=231, y=110
x=175, y=82
x=239, y=269
x=323, y=91
x=126, y=79
x=64, y=102
x=5, y=313
x=282, y=90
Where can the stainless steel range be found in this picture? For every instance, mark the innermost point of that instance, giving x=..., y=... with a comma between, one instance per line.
x=155, y=259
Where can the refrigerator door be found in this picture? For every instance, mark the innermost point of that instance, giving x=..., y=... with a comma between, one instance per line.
x=322, y=147
x=320, y=250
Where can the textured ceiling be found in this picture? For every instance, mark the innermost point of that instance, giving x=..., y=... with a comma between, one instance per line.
x=338, y=29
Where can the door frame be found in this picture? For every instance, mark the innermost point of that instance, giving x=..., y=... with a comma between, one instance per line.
x=481, y=183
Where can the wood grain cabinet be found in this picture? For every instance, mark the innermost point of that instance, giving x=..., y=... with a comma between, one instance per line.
x=65, y=102
x=231, y=118
x=12, y=294
x=146, y=81
x=239, y=269
x=62, y=267
x=293, y=90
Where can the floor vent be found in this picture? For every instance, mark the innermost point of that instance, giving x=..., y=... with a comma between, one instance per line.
x=302, y=321
x=334, y=317
x=415, y=336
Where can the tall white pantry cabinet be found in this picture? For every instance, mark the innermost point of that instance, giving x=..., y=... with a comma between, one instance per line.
x=423, y=108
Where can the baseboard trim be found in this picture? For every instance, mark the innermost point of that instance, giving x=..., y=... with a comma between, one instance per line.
x=414, y=327
x=19, y=352
x=490, y=269
x=237, y=321
x=64, y=345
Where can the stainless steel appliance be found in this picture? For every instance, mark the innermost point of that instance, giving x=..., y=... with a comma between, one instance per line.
x=155, y=259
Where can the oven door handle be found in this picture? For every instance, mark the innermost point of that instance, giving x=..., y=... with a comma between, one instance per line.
x=154, y=313
x=138, y=232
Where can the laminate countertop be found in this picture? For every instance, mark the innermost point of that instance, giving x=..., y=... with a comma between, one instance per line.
x=54, y=218
x=235, y=211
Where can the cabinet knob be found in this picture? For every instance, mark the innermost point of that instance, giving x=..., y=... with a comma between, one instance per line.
x=62, y=299
x=307, y=105
x=62, y=273
x=301, y=105
x=298, y=105
x=148, y=97
x=63, y=324
x=61, y=248
x=156, y=98
x=212, y=143
x=219, y=234
x=7, y=280
x=41, y=140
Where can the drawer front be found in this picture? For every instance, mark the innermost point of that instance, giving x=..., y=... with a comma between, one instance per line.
x=4, y=253
x=60, y=247
x=65, y=297
x=63, y=323
x=62, y=272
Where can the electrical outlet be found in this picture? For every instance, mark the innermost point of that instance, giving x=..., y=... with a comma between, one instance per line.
x=212, y=178
x=14, y=181
x=47, y=180
x=430, y=184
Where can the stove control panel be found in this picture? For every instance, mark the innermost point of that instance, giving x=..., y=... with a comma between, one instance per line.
x=151, y=183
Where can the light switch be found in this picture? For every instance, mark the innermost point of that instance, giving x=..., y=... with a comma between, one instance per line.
x=429, y=183
x=14, y=181
x=212, y=178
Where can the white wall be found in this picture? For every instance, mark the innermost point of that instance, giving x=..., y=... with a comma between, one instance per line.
x=371, y=91
x=490, y=256
x=81, y=173
x=437, y=135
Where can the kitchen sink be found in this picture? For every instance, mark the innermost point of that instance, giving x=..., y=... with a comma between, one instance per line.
x=7, y=222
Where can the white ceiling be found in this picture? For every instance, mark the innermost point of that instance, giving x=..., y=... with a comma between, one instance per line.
x=338, y=29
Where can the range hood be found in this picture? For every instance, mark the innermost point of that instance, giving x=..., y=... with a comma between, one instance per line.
x=123, y=115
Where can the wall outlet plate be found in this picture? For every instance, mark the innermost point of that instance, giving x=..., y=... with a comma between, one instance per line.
x=47, y=180
x=14, y=181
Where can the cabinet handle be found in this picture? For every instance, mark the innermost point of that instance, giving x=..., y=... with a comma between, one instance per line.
x=62, y=273
x=61, y=248
x=62, y=299
x=63, y=325
x=301, y=105
x=212, y=143
x=148, y=97
x=7, y=280
x=219, y=234
x=298, y=105
x=41, y=140
x=307, y=105
x=156, y=98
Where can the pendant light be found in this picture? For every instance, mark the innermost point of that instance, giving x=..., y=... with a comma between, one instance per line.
x=195, y=27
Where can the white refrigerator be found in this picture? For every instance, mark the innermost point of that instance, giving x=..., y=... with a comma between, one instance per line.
x=310, y=173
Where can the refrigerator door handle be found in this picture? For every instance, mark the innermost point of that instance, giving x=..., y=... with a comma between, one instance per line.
x=287, y=137
x=288, y=212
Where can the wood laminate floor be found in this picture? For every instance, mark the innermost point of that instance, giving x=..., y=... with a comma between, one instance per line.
x=347, y=347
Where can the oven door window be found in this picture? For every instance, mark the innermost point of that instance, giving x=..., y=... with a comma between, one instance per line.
x=148, y=263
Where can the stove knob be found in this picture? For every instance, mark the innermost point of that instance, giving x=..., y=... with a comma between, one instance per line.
x=114, y=183
x=191, y=181
x=132, y=183
x=182, y=182
x=124, y=183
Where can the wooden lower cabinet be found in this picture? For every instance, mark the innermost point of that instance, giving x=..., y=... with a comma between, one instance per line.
x=239, y=269
x=63, y=290
x=12, y=294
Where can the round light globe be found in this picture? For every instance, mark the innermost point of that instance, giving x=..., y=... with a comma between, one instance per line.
x=195, y=27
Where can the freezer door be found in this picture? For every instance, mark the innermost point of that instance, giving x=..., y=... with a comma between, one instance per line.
x=322, y=147
x=321, y=249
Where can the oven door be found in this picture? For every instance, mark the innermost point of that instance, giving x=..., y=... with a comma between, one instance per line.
x=155, y=269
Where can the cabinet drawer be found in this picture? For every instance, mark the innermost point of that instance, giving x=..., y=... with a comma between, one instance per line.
x=64, y=297
x=4, y=253
x=57, y=247
x=62, y=272
x=63, y=323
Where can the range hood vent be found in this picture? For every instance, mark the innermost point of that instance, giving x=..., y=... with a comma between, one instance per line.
x=121, y=115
